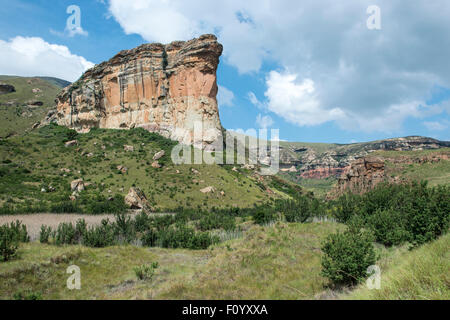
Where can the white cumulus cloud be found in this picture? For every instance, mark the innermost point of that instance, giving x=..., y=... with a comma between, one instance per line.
x=296, y=100
x=32, y=56
x=344, y=72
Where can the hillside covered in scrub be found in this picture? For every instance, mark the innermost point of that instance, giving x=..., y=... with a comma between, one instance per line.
x=28, y=102
x=36, y=171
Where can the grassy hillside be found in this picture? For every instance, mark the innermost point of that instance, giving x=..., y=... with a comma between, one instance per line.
x=39, y=160
x=422, y=273
x=17, y=114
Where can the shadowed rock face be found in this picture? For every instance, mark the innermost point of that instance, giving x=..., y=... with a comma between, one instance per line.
x=162, y=88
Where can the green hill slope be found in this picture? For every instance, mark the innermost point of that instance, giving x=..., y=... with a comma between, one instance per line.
x=33, y=164
x=30, y=102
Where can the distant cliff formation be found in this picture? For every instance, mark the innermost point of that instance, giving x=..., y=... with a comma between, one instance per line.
x=316, y=161
x=162, y=88
x=365, y=173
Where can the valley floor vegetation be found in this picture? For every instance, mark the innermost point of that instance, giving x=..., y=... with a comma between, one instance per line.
x=252, y=238
x=276, y=248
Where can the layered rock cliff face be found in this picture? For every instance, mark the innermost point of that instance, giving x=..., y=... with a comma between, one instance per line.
x=162, y=88
x=362, y=175
x=365, y=173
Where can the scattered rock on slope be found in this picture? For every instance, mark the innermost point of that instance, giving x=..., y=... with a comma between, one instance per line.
x=77, y=185
x=159, y=155
x=136, y=199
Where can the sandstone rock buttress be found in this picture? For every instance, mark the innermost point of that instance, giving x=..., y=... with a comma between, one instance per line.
x=161, y=88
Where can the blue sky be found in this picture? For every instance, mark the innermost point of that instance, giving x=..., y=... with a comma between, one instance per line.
x=313, y=69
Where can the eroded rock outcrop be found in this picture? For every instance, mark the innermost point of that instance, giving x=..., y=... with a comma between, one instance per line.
x=313, y=163
x=361, y=176
x=162, y=88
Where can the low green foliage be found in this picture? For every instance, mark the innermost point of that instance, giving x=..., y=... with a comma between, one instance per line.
x=264, y=215
x=146, y=271
x=45, y=234
x=10, y=237
x=27, y=295
x=8, y=243
x=347, y=256
x=397, y=214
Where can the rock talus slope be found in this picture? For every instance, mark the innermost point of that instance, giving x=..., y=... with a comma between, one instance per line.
x=162, y=88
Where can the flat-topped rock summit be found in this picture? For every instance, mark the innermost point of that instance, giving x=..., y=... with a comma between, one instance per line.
x=162, y=88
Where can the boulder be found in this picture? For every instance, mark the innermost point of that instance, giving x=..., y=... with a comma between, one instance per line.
x=77, y=185
x=128, y=148
x=159, y=155
x=71, y=143
x=122, y=169
x=136, y=199
x=209, y=189
x=156, y=164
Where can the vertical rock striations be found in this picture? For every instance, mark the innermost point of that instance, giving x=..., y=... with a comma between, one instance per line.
x=162, y=88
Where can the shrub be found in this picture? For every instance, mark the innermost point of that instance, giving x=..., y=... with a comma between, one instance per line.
x=346, y=206
x=65, y=234
x=388, y=227
x=211, y=221
x=149, y=238
x=20, y=231
x=100, y=204
x=264, y=215
x=146, y=272
x=347, y=256
x=9, y=243
x=142, y=222
x=298, y=210
x=100, y=236
x=399, y=213
x=124, y=227
x=27, y=295
x=179, y=237
x=45, y=234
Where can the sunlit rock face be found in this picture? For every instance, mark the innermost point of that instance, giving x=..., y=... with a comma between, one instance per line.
x=162, y=88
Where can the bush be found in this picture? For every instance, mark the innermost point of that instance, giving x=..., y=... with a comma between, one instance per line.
x=20, y=231
x=100, y=204
x=27, y=295
x=146, y=272
x=346, y=206
x=9, y=243
x=149, y=238
x=388, y=227
x=124, y=227
x=180, y=237
x=399, y=213
x=264, y=216
x=45, y=234
x=347, y=256
x=211, y=221
x=298, y=210
x=141, y=222
x=100, y=236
